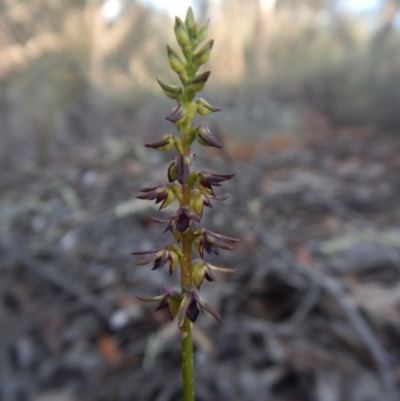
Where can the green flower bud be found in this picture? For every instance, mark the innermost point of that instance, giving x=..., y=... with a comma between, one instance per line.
x=187, y=51
x=190, y=23
x=183, y=76
x=175, y=61
x=181, y=32
x=202, y=55
x=204, y=108
x=202, y=31
x=171, y=91
x=197, y=83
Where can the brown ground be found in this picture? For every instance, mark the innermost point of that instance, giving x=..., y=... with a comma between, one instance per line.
x=311, y=313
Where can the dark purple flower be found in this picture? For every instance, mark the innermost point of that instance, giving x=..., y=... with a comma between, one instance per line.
x=160, y=256
x=207, y=180
x=161, y=193
x=181, y=220
x=184, y=219
x=205, y=240
x=190, y=306
x=169, y=300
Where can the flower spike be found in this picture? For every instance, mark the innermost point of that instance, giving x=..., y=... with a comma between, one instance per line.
x=193, y=190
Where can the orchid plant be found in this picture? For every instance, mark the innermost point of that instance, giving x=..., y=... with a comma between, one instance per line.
x=192, y=189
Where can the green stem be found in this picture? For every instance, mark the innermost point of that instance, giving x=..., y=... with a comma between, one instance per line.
x=187, y=341
x=186, y=274
x=186, y=265
x=186, y=280
x=187, y=361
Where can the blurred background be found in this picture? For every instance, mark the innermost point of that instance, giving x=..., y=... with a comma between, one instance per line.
x=310, y=123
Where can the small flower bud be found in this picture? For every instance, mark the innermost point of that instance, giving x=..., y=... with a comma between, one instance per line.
x=202, y=55
x=204, y=108
x=171, y=91
x=183, y=76
x=202, y=31
x=165, y=143
x=175, y=61
x=187, y=51
x=177, y=115
x=197, y=83
x=190, y=22
x=181, y=32
x=205, y=138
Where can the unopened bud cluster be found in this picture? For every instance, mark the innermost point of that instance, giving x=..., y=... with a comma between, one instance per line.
x=191, y=189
